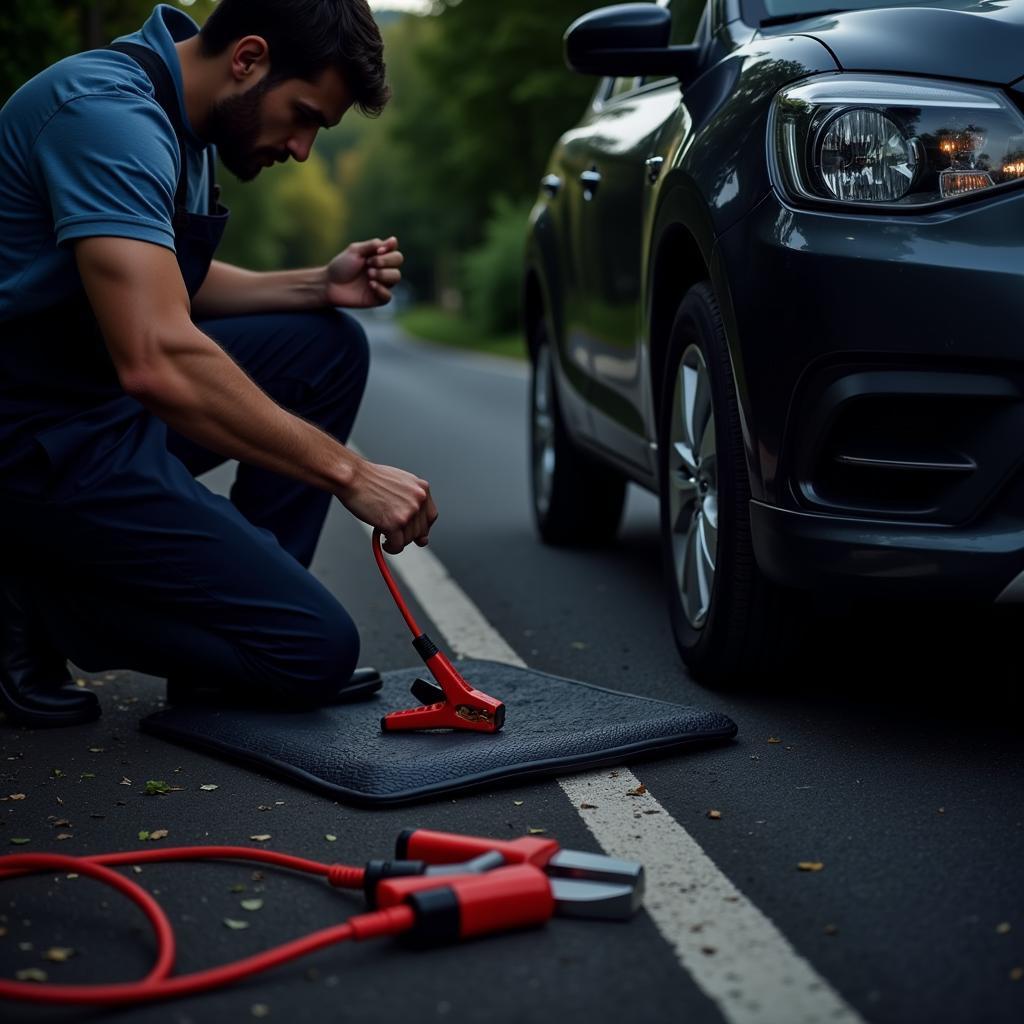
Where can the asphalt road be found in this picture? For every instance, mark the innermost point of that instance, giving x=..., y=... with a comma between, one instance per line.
x=891, y=755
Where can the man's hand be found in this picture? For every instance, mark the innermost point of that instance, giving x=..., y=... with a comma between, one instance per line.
x=391, y=500
x=364, y=274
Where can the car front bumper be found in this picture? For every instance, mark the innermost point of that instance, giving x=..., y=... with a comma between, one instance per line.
x=880, y=367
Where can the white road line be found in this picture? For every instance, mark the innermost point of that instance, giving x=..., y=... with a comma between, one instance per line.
x=733, y=952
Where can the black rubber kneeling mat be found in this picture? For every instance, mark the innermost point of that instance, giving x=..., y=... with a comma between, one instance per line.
x=553, y=726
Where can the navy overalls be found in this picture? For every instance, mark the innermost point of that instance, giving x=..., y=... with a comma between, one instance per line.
x=133, y=563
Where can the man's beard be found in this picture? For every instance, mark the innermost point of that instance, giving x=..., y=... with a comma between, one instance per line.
x=234, y=128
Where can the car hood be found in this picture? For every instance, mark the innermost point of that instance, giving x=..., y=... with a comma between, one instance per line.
x=983, y=42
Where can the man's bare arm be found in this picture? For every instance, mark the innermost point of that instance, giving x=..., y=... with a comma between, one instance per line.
x=178, y=373
x=232, y=291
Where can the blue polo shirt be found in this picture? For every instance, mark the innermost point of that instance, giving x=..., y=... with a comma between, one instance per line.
x=86, y=150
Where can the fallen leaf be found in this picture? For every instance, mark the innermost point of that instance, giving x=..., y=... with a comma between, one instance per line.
x=1003, y=928
x=330, y=838
x=588, y=807
x=65, y=835
x=87, y=775
x=125, y=781
x=160, y=833
x=578, y=645
x=810, y=865
x=234, y=925
x=264, y=807
x=16, y=796
x=518, y=803
x=20, y=841
x=62, y=823
x=251, y=904
x=96, y=750
x=260, y=839
x=774, y=739
x=72, y=875
x=209, y=787
x=279, y=803
x=1017, y=973
x=156, y=787
x=257, y=876
x=31, y=974
x=537, y=831
x=708, y=950
x=137, y=869
x=260, y=1010
x=714, y=815
x=59, y=954
x=57, y=773
x=638, y=791
x=237, y=888
x=143, y=834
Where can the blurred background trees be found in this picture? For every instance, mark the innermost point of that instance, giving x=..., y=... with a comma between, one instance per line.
x=480, y=95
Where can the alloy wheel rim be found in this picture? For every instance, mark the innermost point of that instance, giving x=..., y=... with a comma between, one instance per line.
x=543, y=431
x=693, y=487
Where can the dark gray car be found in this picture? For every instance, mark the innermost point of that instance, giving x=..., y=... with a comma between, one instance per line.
x=775, y=276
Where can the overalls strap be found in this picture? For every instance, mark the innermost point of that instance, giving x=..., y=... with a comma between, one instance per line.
x=167, y=96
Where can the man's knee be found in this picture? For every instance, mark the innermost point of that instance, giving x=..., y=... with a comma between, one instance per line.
x=352, y=344
x=314, y=667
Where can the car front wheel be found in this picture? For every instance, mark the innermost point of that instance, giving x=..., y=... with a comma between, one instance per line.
x=727, y=619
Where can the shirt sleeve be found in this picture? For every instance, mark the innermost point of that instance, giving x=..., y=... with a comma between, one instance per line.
x=109, y=164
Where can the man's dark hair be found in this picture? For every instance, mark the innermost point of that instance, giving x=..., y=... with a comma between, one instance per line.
x=305, y=38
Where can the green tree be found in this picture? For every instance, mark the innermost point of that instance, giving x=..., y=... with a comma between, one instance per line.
x=36, y=33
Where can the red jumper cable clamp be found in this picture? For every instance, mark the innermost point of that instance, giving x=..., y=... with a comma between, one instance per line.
x=452, y=703
x=591, y=885
x=459, y=887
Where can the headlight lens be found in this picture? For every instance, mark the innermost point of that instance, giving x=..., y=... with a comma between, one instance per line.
x=878, y=141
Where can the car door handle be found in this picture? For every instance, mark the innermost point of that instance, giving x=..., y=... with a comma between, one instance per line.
x=551, y=184
x=590, y=180
x=653, y=165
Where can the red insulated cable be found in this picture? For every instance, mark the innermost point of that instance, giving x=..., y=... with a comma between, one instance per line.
x=392, y=586
x=158, y=984
x=339, y=875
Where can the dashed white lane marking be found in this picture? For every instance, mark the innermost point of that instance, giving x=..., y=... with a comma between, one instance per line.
x=733, y=952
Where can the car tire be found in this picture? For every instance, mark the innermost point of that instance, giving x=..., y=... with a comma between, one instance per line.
x=576, y=501
x=730, y=623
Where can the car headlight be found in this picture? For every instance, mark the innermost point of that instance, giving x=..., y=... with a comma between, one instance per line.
x=881, y=141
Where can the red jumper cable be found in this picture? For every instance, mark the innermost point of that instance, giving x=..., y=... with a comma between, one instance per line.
x=453, y=703
x=507, y=885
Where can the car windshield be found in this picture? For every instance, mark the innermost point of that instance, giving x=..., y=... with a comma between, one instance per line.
x=775, y=11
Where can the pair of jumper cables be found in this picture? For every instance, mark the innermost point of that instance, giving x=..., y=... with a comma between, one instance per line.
x=439, y=888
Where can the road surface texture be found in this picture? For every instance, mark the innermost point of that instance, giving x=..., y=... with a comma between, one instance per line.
x=890, y=755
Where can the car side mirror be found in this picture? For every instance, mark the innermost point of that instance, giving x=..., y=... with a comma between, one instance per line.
x=628, y=40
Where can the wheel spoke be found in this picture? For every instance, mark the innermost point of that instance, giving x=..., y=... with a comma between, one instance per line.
x=690, y=381
x=701, y=412
x=708, y=544
x=706, y=452
x=686, y=573
x=685, y=455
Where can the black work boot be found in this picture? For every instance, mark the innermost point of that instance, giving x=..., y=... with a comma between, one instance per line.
x=35, y=685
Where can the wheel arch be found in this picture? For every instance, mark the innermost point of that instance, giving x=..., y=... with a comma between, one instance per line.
x=683, y=253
